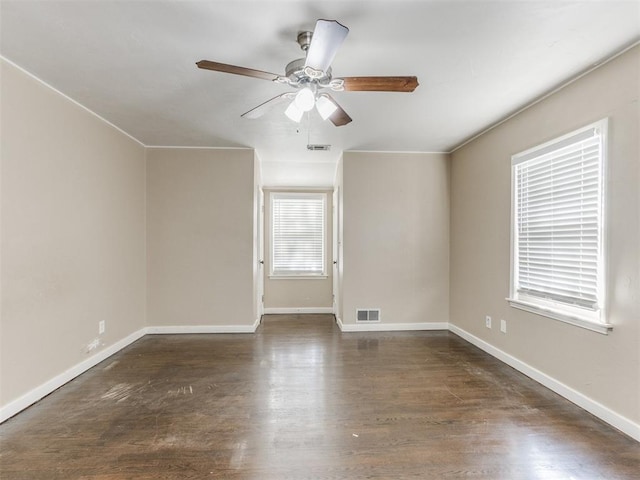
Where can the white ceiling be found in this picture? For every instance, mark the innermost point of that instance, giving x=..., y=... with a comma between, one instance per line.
x=133, y=63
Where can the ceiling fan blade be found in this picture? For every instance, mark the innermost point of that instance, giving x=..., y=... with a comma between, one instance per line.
x=226, y=68
x=327, y=38
x=339, y=117
x=263, y=108
x=380, y=84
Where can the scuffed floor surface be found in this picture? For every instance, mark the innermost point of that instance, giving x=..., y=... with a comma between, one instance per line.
x=299, y=400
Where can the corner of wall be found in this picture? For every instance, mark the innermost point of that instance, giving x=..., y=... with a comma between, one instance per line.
x=604, y=369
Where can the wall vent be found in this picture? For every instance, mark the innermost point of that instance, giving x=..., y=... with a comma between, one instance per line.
x=318, y=147
x=369, y=315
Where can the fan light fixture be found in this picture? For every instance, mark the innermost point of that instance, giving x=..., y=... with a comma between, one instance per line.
x=303, y=102
x=305, y=99
x=325, y=107
x=293, y=112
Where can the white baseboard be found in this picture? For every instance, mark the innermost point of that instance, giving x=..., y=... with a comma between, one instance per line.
x=390, y=327
x=182, y=329
x=56, y=382
x=612, y=418
x=288, y=311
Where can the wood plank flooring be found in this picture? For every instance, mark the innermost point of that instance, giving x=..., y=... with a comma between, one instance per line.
x=299, y=400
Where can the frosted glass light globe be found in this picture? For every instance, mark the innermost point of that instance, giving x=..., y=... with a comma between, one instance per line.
x=293, y=112
x=305, y=99
x=325, y=107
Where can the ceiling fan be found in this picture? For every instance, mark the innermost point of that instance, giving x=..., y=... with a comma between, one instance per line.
x=312, y=77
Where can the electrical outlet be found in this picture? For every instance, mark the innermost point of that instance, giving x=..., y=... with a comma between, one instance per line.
x=503, y=326
x=101, y=327
x=487, y=321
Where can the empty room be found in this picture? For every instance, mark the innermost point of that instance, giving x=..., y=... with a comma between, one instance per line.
x=290, y=240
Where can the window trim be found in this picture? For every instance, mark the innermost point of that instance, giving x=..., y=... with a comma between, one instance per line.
x=301, y=275
x=594, y=320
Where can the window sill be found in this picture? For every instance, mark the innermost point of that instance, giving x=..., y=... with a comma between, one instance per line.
x=598, y=327
x=298, y=277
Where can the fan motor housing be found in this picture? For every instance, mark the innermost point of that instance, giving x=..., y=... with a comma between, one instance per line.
x=296, y=74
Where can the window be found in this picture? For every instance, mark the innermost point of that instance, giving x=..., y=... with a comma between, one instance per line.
x=557, y=266
x=298, y=234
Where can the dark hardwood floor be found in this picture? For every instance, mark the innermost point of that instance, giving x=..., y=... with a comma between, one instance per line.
x=299, y=400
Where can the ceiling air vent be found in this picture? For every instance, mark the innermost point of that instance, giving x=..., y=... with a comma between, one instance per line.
x=371, y=315
x=318, y=147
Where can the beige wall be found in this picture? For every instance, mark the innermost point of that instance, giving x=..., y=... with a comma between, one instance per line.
x=289, y=293
x=73, y=234
x=605, y=368
x=396, y=236
x=200, y=222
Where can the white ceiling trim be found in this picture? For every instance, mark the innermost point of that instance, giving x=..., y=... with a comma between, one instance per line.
x=534, y=102
x=67, y=97
x=551, y=92
x=187, y=147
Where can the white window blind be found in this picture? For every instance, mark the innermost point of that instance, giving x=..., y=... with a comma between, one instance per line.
x=298, y=234
x=557, y=236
